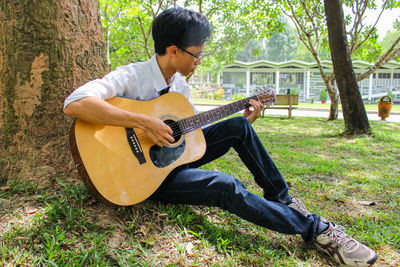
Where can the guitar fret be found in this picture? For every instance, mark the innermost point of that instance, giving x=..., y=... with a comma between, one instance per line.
x=196, y=121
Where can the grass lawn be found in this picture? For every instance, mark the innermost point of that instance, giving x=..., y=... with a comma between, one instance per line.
x=353, y=182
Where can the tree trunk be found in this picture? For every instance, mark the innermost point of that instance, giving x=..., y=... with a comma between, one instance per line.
x=47, y=49
x=355, y=116
x=333, y=96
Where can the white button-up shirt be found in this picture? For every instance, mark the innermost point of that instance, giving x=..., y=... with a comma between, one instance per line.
x=138, y=81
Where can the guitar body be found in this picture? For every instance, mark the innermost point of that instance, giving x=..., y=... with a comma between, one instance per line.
x=121, y=166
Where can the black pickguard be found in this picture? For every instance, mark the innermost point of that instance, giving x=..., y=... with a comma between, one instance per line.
x=163, y=156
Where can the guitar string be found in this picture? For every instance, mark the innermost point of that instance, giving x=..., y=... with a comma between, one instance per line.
x=177, y=131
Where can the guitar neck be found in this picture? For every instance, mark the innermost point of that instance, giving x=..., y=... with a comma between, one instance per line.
x=199, y=120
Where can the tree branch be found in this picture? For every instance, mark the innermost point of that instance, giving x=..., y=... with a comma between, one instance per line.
x=311, y=19
x=390, y=54
x=354, y=44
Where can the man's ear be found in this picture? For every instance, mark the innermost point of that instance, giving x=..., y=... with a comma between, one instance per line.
x=172, y=50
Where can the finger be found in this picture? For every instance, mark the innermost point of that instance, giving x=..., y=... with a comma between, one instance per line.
x=259, y=105
x=255, y=104
x=169, y=130
x=169, y=138
x=163, y=142
x=256, y=107
x=159, y=143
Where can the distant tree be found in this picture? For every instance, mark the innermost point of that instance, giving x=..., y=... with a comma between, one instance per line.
x=254, y=50
x=303, y=54
x=282, y=46
x=355, y=116
x=389, y=39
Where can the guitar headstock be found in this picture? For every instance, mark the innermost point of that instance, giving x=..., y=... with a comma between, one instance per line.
x=266, y=95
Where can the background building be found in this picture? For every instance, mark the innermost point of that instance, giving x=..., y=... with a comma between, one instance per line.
x=247, y=78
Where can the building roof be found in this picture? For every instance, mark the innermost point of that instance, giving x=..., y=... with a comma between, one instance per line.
x=297, y=64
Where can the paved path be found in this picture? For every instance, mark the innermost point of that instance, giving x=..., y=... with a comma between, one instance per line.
x=314, y=112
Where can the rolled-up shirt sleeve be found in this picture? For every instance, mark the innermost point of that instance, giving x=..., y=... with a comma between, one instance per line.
x=116, y=83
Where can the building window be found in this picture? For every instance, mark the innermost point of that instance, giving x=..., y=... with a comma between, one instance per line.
x=263, y=78
x=384, y=75
x=290, y=78
x=396, y=75
x=236, y=78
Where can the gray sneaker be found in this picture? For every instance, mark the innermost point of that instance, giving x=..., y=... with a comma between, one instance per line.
x=344, y=249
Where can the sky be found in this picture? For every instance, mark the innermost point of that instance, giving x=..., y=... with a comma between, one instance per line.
x=386, y=20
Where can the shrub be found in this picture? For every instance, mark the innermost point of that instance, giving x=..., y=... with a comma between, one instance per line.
x=391, y=95
x=323, y=95
x=219, y=94
x=238, y=97
x=294, y=91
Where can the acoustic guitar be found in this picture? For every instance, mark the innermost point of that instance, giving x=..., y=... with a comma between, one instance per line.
x=120, y=165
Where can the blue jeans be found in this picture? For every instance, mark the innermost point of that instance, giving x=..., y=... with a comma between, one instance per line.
x=192, y=186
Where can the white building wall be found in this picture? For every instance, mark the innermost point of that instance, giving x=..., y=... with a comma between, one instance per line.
x=371, y=89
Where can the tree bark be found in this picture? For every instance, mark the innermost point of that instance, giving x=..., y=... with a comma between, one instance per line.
x=333, y=96
x=355, y=116
x=47, y=49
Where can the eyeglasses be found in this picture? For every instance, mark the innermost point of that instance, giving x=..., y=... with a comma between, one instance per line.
x=197, y=57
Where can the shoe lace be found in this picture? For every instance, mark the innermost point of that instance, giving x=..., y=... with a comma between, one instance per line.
x=339, y=236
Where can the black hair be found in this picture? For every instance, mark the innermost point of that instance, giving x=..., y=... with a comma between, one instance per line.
x=181, y=27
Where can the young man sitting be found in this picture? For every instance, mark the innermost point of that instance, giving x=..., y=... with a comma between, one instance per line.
x=180, y=36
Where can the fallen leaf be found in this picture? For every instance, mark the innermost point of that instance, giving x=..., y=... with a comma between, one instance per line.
x=143, y=230
x=31, y=211
x=150, y=241
x=189, y=248
x=4, y=188
x=91, y=202
x=367, y=203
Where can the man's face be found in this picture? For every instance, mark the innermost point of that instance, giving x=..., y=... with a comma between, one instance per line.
x=187, y=59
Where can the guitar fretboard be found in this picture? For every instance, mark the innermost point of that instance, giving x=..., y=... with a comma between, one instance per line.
x=199, y=120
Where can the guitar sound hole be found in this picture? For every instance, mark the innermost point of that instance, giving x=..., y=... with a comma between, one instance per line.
x=163, y=156
x=175, y=128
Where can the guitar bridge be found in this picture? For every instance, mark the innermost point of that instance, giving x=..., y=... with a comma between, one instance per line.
x=135, y=145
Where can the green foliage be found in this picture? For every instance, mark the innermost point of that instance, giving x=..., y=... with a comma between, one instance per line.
x=304, y=54
x=254, y=50
x=370, y=51
x=294, y=91
x=391, y=95
x=238, y=97
x=233, y=22
x=126, y=27
x=389, y=39
x=282, y=46
x=323, y=95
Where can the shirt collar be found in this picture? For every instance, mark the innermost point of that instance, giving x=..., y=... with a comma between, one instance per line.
x=158, y=78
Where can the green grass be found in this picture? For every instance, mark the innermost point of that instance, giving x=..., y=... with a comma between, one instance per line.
x=58, y=223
